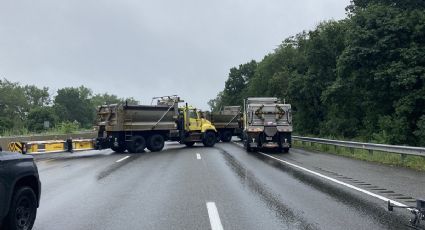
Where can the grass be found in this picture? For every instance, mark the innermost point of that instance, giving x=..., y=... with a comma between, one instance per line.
x=395, y=159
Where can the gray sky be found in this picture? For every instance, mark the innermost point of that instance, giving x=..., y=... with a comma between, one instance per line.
x=144, y=48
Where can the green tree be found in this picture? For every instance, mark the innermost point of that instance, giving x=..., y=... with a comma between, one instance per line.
x=381, y=72
x=74, y=104
x=105, y=99
x=37, y=117
x=13, y=105
x=36, y=97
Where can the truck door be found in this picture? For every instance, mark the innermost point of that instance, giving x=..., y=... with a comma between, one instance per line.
x=194, y=120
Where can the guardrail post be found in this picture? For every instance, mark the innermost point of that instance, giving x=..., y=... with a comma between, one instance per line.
x=403, y=157
x=352, y=151
x=370, y=151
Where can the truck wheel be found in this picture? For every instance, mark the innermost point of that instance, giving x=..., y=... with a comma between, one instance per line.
x=285, y=150
x=119, y=149
x=247, y=147
x=155, y=143
x=226, y=136
x=209, y=139
x=137, y=144
x=189, y=144
x=23, y=210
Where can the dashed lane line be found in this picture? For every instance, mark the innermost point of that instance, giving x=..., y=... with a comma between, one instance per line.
x=122, y=159
x=214, y=217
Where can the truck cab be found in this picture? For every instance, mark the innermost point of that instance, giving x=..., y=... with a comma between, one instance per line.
x=196, y=127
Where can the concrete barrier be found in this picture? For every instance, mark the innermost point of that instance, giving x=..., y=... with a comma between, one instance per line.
x=53, y=146
x=4, y=141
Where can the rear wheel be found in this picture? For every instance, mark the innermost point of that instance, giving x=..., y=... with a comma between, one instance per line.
x=23, y=210
x=226, y=136
x=155, y=143
x=189, y=144
x=137, y=144
x=209, y=139
x=285, y=150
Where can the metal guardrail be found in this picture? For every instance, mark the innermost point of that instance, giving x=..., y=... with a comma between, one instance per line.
x=406, y=150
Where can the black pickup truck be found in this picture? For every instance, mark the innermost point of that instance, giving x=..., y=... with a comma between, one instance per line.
x=20, y=189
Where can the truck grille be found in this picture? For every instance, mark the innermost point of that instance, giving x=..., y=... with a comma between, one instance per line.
x=270, y=131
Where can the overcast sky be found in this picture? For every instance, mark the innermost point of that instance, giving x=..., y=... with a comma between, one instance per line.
x=141, y=49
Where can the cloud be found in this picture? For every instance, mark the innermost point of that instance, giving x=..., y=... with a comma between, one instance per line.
x=147, y=48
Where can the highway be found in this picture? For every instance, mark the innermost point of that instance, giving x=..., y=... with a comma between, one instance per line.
x=220, y=188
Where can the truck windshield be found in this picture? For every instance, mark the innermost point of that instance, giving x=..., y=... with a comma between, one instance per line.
x=193, y=114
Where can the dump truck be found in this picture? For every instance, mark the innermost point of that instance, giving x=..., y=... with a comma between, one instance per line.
x=136, y=127
x=228, y=122
x=267, y=124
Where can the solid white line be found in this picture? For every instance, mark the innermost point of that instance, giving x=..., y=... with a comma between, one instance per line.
x=337, y=181
x=198, y=156
x=333, y=180
x=122, y=159
x=214, y=217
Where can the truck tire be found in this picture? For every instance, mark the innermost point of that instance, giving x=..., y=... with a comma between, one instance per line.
x=226, y=136
x=189, y=144
x=156, y=143
x=137, y=144
x=246, y=146
x=209, y=139
x=285, y=150
x=23, y=209
x=119, y=149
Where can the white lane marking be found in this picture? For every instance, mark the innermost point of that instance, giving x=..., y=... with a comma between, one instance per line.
x=334, y=180
x=198, y=156
x=337, y=181
x=122, y=159
x=214, y=217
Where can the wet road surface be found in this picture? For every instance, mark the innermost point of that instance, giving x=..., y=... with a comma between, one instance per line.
x=221, y=187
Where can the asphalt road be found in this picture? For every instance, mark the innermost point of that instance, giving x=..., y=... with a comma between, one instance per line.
x=220, y=188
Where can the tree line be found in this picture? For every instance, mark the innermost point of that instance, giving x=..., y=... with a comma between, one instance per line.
x=26, y=108
x=360, y=78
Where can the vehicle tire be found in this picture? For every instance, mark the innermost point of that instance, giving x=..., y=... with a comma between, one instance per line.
x=285, y=150
x=156, y=143
x=247, y=147
x=226, y=136
x=209, y=139
x=189, y=144
x=119, y=149
x=23, y=210
x=137, y=144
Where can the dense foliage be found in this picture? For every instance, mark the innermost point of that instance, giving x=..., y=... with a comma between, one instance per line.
x=361, y=77
x=26, y=108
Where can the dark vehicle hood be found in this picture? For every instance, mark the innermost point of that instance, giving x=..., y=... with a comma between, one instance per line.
x=10, y=156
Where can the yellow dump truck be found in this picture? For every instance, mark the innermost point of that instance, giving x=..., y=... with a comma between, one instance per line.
x=136, y=127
